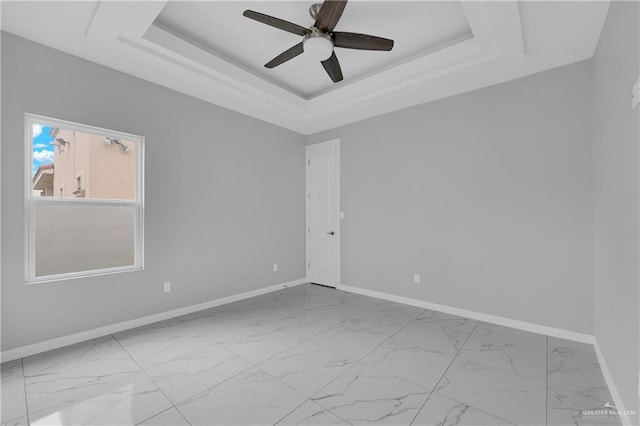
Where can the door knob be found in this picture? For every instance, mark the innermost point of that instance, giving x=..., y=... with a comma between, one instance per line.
x=331, y=233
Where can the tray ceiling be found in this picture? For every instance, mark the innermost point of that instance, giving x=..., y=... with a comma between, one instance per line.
x=219, y=27
x=207, y=49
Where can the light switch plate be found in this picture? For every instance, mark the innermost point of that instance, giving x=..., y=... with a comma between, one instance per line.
x=634, y=94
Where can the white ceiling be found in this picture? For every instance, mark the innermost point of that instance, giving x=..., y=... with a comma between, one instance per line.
x=208, y=50
x=418, y=27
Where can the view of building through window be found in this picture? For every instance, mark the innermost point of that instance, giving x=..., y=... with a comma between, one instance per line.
x=69, y=163
x=85, y=201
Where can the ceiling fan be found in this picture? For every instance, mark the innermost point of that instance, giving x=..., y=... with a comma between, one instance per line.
x=320, y=39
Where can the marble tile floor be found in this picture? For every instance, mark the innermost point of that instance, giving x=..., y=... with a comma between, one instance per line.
x=309, y=355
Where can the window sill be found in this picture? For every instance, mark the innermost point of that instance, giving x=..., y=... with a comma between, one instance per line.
x=85, y=274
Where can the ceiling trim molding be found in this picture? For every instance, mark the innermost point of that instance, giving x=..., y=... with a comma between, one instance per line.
x=496, y=34
x=507, y=40
x=182, y=52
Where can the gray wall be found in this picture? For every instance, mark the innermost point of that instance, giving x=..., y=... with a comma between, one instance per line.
x=224, y=196
x=486, y=194
x=616, y=174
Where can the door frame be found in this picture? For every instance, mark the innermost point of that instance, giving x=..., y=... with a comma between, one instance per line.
x=335, y=143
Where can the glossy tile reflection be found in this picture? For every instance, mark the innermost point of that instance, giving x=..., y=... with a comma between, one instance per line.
x=55, y=378
x=127, y=401
x=309, y=355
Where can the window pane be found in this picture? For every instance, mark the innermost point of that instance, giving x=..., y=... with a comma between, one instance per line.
x=72, y=164
x=75, y=238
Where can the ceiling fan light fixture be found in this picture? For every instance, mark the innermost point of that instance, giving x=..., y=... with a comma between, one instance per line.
x=318, y=46
x=320, y=39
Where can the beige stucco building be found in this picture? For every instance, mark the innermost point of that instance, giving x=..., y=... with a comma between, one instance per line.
x=87, y=166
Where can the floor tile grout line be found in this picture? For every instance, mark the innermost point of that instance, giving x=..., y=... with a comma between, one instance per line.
x=149, y=377
x=253, y=365
x=304, y=339
x=302, y=310
x=24, y=387
x=92, y=344
x=286, y=415
x=214, y=343
x=157, y=414
x=445, y=371
x=359, y=361
x=308, y=339
x=282, y=383
x=410, y=320
x=331, y=326
x=265, y=360
x=408, y=380
x=307, y=398
x=311, y=402
x=182, y=415
x=175, y=405
x=475, y=408
x=198, y=334
x=211, y=387
x=354, y=359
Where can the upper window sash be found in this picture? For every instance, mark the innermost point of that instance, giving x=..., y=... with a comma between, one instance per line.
x=33, y=119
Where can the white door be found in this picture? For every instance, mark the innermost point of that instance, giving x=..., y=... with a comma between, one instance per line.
x=323, y=199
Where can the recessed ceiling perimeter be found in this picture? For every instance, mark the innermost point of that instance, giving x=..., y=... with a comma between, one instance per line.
x=418, y=28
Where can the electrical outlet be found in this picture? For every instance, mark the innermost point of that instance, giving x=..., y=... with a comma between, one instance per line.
x=275, y=267
x=167, y=286
x=416, y=278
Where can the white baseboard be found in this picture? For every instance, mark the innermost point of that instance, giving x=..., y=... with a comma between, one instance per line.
x=493, y=319
x=59, y=342
x=617, y=400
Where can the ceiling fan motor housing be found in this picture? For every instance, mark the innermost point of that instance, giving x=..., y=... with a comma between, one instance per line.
x=318, y=44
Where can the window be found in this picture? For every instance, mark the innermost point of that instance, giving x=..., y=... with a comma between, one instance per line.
x=84, y=193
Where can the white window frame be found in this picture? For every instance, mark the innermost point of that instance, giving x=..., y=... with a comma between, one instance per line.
x=31, y=201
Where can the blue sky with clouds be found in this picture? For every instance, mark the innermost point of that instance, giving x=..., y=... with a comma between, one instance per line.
x=42, y=148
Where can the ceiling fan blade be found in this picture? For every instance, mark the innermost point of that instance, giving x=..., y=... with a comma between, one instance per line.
x=285, y=56
x=329, y=14
x=332, y=67
x=276, y=22
x=361, y=41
